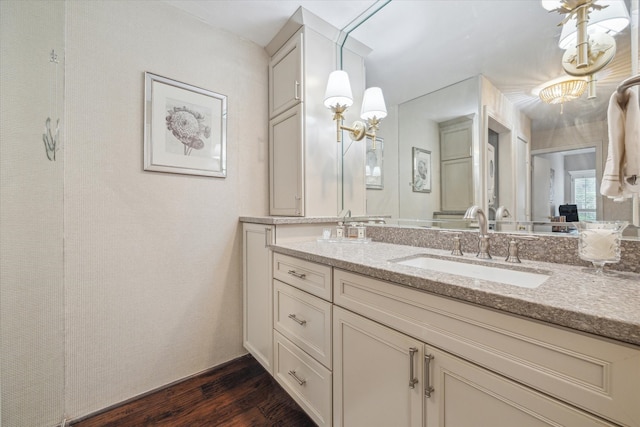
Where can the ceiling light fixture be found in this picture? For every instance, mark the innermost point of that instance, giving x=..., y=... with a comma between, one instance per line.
x=589, y=44
x=563, y=91
x=338, y=97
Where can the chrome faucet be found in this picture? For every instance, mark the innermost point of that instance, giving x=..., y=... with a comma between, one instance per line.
x=474, y=212
x=501, y=213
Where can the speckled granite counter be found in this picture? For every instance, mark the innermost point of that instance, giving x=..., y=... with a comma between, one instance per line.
x=279, y=220
x=607, y=305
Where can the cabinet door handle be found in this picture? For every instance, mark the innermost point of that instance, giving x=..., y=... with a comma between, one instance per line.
x=298, y=275
x=267, y=237
x=428, y=389
x=296, y=87
x=298, y=199
x=300, y=322
x=298, y=379
x=412, y=378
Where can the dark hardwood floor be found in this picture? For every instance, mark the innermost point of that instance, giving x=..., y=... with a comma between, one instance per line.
x=239, y=393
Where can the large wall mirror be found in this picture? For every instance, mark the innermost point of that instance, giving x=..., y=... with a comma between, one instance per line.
x=459, y=81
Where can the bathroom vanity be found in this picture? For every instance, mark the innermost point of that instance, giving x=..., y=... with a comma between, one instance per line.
x=365, y=334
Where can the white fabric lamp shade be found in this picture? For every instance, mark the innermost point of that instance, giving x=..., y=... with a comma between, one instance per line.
x=338, y=90
x=373, y=104
x=551, y=4
x=610, y=20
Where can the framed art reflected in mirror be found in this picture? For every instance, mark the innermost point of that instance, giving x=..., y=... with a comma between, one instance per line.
x=374, y=171
x=421, y=170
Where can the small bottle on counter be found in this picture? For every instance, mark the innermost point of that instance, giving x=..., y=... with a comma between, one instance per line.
x=340, y=231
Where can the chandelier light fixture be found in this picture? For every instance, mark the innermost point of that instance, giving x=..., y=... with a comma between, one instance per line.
x=589, y=43
x=338, y=97
x=563, y=91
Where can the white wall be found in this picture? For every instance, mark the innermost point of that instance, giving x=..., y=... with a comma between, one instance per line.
x=152, y=261
x=385, y=201
x=31, y=213
x=418, y=127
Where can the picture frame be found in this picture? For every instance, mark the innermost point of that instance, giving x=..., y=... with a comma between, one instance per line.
x=374, y=171
x=421, y=170
x=185, y=128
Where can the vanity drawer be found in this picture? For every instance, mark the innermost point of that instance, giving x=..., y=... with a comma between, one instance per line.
x=598, y=375
x=303, y=319
x=306, y=380
x=308, y=276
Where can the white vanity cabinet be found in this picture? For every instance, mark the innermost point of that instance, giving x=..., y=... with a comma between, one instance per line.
x=469, y=365
x=302, y=334
x=257, y=282
x=384, y=378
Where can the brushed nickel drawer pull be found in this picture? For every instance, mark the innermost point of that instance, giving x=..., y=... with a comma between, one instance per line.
x=412, y=379
x=267, y=237
x=428, y=389
x=298, y=275
x=298, y=321
x=298, y=379
x=296, y=95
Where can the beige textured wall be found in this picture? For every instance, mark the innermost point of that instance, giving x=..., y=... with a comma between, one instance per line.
x=152, y=260
x=144, y=287
x=31, y=211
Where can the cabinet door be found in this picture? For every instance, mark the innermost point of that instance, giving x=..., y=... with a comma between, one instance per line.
x=286, y=164
x=285, y=77
x=456, y=184
x=455, y=139
x=465, y=395
x=375, y=372
x=257, y=334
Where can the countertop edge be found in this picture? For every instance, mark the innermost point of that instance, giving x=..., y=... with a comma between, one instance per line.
x=584, y=322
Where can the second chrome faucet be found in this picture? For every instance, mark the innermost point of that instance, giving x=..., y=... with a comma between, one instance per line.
x=475, y=212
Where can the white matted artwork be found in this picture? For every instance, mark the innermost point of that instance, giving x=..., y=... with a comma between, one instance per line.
x=185, y=128
x=421, y=170
x=373, y=168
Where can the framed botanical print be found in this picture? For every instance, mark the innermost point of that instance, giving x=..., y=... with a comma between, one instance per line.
x=421, y=170
x=185, y=128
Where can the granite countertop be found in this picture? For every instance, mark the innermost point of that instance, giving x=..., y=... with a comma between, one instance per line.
x=606, y=305
x=276, y=220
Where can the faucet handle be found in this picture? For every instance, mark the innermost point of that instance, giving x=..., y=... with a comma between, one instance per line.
x=512, y=249
x=457, y=246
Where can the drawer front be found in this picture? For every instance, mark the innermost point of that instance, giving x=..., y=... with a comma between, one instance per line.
x=306, y=380
x=598, y=375
x=304, y=319
x=308, y=276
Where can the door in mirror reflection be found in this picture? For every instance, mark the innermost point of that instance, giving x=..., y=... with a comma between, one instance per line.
x=565, y=178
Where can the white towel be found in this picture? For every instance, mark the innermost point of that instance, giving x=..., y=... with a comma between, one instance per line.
x=623, y=159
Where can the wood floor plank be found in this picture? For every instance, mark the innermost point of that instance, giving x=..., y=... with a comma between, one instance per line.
x=238, y=394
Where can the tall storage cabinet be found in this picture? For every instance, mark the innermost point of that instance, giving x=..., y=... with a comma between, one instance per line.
x=304, y=156
x=456, y=164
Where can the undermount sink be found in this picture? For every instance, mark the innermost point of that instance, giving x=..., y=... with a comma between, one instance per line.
x=523, y=279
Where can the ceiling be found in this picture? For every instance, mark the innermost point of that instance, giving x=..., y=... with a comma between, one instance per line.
x=419, y=46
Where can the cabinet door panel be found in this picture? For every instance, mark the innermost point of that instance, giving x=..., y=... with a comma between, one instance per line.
x=285, y=77
x=457, y=187
x=372, y=371
x=257, y=287
x=285, y=164
x=455, y=139
x=465, y=394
